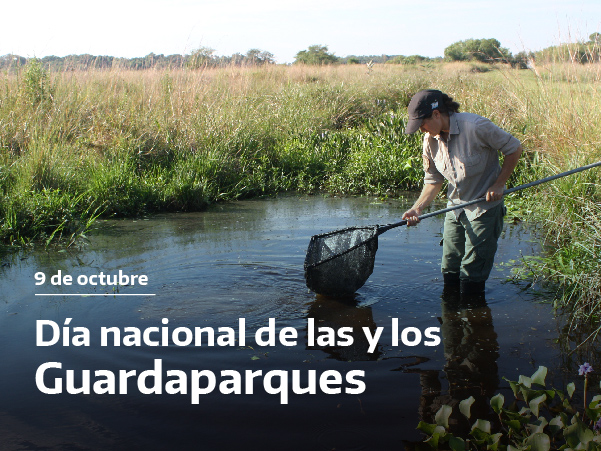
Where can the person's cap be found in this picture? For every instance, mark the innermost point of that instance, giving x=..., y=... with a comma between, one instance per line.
x=421, y=106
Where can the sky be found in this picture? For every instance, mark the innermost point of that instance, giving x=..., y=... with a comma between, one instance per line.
x=135, y=28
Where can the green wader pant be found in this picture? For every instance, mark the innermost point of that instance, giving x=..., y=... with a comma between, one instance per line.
x=469, y=247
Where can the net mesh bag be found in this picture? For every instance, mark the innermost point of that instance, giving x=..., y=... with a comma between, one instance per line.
x=339, y=263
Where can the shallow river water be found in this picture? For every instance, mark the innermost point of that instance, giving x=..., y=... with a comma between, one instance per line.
x=243, y=262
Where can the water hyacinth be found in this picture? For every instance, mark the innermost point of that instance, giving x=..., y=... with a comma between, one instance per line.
x=585, y=369
x=523, y=421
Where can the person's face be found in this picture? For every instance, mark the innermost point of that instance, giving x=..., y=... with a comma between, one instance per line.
x=433, y=125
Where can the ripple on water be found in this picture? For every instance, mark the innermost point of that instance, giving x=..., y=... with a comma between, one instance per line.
x=224, y=292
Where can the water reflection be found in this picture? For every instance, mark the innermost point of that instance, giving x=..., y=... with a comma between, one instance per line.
x=344, y=317
x=471, y=351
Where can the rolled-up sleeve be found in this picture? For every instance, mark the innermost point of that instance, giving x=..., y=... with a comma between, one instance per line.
x=431, y=175
x=496, y=138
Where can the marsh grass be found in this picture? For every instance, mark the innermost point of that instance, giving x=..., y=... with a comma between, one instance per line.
x=127, y=143
x=558, y=108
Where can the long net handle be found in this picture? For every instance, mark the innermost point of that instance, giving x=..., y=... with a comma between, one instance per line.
x=383, y=229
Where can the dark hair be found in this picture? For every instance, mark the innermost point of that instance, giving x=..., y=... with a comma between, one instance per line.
x=450, y=105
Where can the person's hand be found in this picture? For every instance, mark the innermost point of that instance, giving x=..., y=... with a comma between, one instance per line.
x=412, y=216
x=495, y=192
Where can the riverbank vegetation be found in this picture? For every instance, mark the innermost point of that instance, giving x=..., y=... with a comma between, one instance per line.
x=76, y=145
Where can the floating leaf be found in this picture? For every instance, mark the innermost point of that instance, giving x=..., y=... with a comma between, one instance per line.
x=539, y=376
x=530, y=394
x=538, y=425
x=514, y=388
x=480, y=436
x=515, y=425
x=465, y=406
x=438, y=432
x=494, y=441
x=496, y=402
x=457, y=444
x=442, y=416
x=433, y=440
x=535, y=404
x=556, y=425
x=482, y=425
x=426, y=428
x=254, y=357
x=571, y=389
x=577, y=433
x=525, y=381
x=592, y=414
x=539, y=442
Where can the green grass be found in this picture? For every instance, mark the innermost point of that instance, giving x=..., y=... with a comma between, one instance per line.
x=129, y=143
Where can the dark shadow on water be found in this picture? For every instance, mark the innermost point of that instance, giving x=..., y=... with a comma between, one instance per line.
x=471, y=351
x=337, y=318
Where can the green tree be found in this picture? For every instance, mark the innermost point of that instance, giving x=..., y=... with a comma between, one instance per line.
x=201, y=57
x=258, y=57
x=484, y=50
x=11, y=61
x=522, y=60
x=411, y=60
x=315, y=54
x=456, y=52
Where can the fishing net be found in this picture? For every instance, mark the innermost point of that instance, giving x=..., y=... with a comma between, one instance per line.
x=339, y=263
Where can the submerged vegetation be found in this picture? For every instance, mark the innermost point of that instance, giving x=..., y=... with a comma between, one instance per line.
x=76, y=145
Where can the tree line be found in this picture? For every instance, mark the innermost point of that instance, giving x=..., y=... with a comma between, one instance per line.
x=199, y=58
x=474, y=50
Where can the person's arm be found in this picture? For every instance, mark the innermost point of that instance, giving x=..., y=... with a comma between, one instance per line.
x=495, y=191
x=428, y=194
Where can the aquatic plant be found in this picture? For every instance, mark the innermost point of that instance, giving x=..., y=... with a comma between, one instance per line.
x=538, y=419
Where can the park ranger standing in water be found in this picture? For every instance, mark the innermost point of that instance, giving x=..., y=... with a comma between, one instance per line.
x=463, y=148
